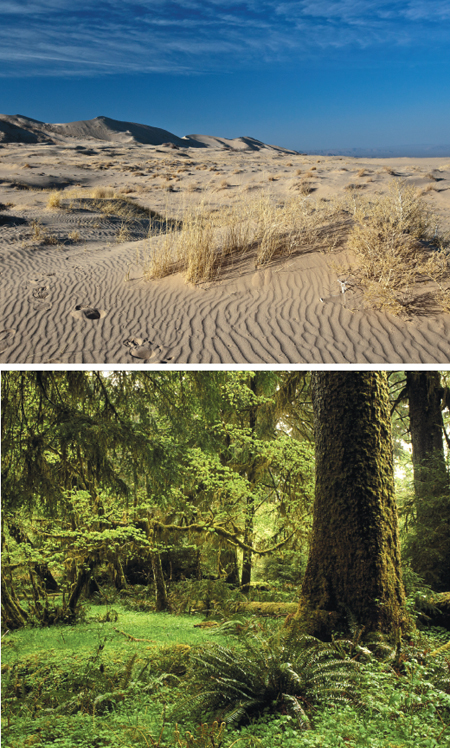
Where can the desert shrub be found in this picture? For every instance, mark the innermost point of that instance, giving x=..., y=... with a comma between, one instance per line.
x=397, y=245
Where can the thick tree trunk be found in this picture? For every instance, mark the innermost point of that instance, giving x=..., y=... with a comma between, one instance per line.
x=430, y=549
x=426, y=426
x=353, y=575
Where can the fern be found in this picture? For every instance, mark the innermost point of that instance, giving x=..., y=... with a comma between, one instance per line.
x=284, y=673
x=126, y=676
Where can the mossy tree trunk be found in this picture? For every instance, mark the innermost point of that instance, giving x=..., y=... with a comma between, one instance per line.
x=159, y=582
x=246, y=576
x=247, y=560
x=353, y=575
x=430, y=549
x=13, y=615
x=228, y=565
x=84, y=573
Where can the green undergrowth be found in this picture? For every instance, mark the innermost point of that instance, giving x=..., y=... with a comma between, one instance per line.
x=124, y=678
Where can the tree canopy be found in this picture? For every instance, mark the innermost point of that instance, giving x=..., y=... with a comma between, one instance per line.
x=104, y=469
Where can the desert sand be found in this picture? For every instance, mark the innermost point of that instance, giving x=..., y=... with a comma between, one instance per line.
x=74, y=287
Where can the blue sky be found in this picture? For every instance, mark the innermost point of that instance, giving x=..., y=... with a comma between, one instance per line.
x=311, y=74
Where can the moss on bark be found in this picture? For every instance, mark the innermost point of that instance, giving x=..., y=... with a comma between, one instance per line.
x=353, y=575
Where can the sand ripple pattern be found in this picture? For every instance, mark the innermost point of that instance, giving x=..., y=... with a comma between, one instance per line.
x=72, y=306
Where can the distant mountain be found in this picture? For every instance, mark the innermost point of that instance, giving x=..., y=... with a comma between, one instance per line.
x=402, y=151
x=19, y=129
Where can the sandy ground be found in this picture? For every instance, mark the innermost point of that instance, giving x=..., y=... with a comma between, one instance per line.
x=72, y=291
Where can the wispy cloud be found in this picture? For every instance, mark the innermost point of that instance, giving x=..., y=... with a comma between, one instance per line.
x=60, y=37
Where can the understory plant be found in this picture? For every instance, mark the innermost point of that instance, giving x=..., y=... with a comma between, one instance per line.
x=283, y=673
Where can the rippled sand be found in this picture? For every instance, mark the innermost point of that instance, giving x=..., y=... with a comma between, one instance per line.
x=84, y=299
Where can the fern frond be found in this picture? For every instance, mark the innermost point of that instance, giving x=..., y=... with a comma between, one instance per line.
x=275, y=672
x=126, y=676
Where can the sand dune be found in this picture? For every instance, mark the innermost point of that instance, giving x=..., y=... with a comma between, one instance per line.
x=235, y=144
x=73, y=284
x=19, y=129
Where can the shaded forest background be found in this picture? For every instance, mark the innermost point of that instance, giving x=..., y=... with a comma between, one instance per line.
x=196, y=486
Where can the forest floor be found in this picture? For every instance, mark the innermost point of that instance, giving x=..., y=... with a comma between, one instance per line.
x=116, y=679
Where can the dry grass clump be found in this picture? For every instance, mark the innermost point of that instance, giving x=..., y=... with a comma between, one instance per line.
x=100, y=193
x=272, y=178
x=432, y=176
x=200, y=256
x=398, y=247
x=390, y=171
x=124, y=233
x=207, y=242
x=163, y=260
x=305, y=188
x=41, y=235
x=54, y=200
x=74, y=236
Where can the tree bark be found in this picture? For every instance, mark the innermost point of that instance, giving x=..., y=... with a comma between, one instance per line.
x=160, y=585
x=228, y=565
x=84, y=573
x=246, y=576
x=353, y=575
x=13, y=615
x=430, y=549
x=426, y=427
